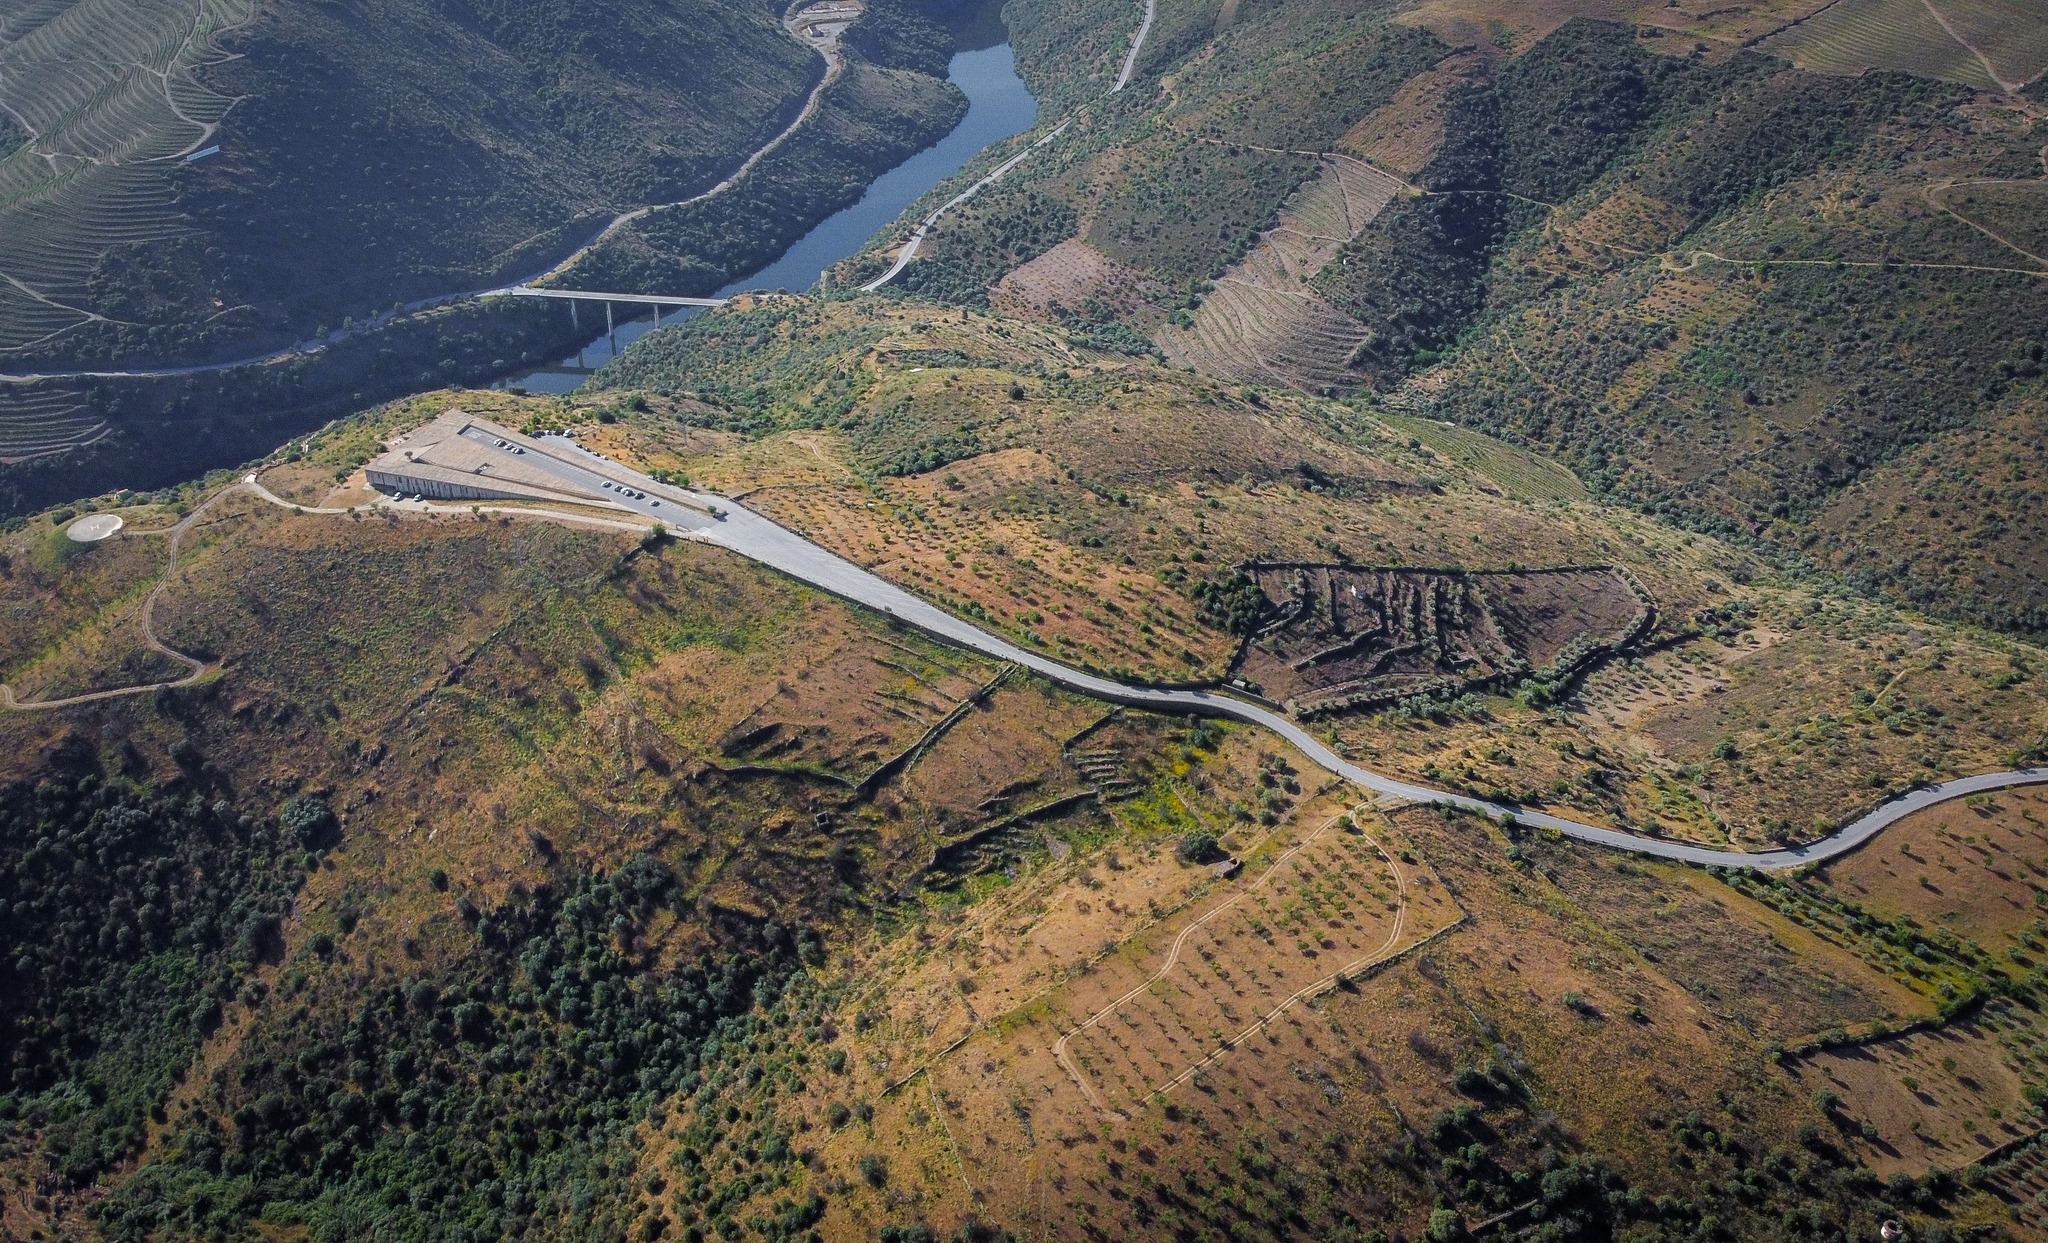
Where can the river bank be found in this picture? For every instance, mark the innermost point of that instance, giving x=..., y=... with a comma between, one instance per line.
x=998, y=106
x=880, y=138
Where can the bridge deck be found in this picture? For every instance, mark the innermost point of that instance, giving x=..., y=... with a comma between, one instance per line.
x=588, y=295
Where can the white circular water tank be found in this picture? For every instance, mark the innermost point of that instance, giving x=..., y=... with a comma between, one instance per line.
x=93, y=529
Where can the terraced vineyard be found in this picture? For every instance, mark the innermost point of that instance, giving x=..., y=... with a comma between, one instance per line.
x=1262, y=323
x=105, y=95
x=1987, y=44
x=1337, y=638
x=44, y=421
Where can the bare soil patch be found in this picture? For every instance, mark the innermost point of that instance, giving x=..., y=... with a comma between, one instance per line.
x=1977, y=866
x=1938, y=1099
x=1338, y=637
x=1066, y=278
x=1742, y=960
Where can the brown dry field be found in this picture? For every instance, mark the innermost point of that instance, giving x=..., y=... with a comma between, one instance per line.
x=919, y=535
x=953, y=1031
x=1976, y=866
x=1938, y=1099
x=1743, y=961
x=1515, y=28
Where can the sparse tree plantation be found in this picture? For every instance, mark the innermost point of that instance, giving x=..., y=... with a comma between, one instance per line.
x=1628, y=420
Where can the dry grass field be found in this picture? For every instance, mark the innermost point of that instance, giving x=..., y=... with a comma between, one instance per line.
x=1938, y=1099
x=1746, y=963
x=1977, y=867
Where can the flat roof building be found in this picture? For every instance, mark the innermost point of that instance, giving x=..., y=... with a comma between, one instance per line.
x=459, y=457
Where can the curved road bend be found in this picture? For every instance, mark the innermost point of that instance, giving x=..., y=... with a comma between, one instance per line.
x=1123, y=79
x=197, y=668
x=751, y=535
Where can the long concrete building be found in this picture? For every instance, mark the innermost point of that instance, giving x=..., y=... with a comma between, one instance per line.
x=460, y=457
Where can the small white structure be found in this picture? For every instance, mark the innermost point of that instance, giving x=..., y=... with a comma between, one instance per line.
x=93, y=529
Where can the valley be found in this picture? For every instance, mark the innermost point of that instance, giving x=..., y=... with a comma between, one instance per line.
x=1393, y=623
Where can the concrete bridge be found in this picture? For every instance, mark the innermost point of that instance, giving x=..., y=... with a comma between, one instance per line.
x=577, y=296
x=590, y=295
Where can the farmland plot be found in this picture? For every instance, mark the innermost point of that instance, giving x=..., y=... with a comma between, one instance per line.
x=1332, y=904
x=34, y=422
x=1337, y=637
x=1262, y=322
x=1987, y=44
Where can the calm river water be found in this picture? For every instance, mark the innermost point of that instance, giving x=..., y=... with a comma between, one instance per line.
x=998, y=106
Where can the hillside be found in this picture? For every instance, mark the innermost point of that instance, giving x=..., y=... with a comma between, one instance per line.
x=475, y=148
x=1587, y=407
x=624, y=905
x=369, y=154
x=1679, y=265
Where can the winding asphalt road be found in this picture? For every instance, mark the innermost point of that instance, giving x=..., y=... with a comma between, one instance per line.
x=722, y=522
x=1123, y=78
x=754, y=536
x=751, y=535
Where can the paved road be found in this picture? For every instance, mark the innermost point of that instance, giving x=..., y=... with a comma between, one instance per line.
x=716, y=520
x=1123, y=79
x=745, y=532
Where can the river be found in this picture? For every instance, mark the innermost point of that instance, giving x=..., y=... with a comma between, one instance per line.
x=998, y=105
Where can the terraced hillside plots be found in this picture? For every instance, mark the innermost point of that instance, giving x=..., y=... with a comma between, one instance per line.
x=36, y=422
x=1987, y=44
x=1262, y=323
x=105, y=93
x=1330, y=906
x=1336, y=637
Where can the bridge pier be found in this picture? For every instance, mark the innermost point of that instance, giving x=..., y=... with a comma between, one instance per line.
x=575, y=320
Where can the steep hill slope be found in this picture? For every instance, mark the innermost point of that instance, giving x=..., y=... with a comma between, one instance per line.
x=1681, y=266
x=517, y=880
x=368, y=153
